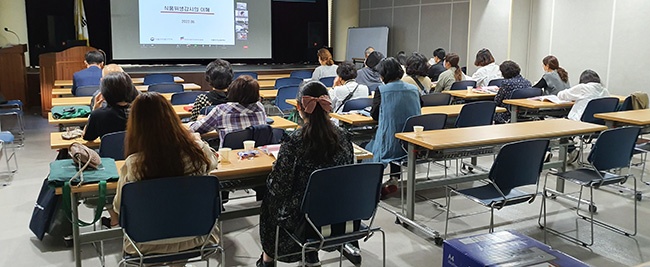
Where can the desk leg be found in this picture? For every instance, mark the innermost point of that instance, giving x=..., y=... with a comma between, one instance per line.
x=75, y=230
x=410, y=185
x=559, y=186
x=513, y=113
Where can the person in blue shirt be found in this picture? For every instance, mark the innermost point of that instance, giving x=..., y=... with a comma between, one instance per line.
x=92, y=73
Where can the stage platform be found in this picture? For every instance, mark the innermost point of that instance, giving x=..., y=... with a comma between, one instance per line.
x=195, y=68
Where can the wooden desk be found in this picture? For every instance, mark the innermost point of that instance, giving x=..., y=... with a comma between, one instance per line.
x=361, y=153
x=292, y=102
x=57, y=141
x=67, y=92
x=266, y=83
x=536, y=105
x=83, y=100
x=180, y=110
x=68, y=83
x=272, y=77
x=482, y=136
x=268, y=94
x=282, y=123
x=639, y=117
x=462, y=94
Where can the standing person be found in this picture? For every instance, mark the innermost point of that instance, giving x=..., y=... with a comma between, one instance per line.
x=438, y=65
x=512, y=81
x=487, y=70
x=346, y=87
x=242, y=110
x=416, y=73
x=219, y=75
x=451, y=75
x=117, y=92
x=393, y=103
x=555, y=79
x=152, y=155
x=368, y=75
x=327, y=67
x=318, y=144
x=91, y=75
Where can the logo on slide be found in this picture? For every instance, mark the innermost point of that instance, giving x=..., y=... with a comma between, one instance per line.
x=182, y=38
x=152, y=39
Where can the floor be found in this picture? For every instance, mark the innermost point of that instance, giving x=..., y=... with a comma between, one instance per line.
x=19, y=247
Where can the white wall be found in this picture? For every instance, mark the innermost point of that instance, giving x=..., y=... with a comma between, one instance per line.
x=488, y=28
x=345, y=14
x=14, y=17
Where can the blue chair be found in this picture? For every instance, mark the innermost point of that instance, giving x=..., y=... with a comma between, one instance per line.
x=301, y=74
x=206, y=110
x=611, y=153
x=495, y=82
x=462, y=85
x=188, y=206
x=284, y=93
x=626, y=105
x=357, y=104
x=476, y=114
x=235, y=140
x=355, y=187
x=249, y=73
x=6, y=142
x=328, y=81
x=155, y=78
x=184, y=98
x=435, y=99
x=599, y=105
x=15, y=108
x=373, y=87
x=164, y=88
x=526, y=93
x=283, y=82
x=112, y=145
x=87, y=90
x=518, y=164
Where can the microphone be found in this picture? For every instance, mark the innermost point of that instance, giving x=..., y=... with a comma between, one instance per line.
x=8, y=30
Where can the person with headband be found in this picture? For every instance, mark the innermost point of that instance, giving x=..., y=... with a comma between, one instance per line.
x=555, y=79
x=92, y=73
x=318, y=144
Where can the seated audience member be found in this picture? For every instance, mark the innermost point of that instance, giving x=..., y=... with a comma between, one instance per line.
x=393, y=103
x=318, y=144
x=97, y=96
x=219, y=74
x=118, y=92
x=588, y=89
x=327, y=67
x=92, y=73
x=555, y=79
x=346, y=87
x=451, y=75
x=152, y=154
x=416, y=73
x=487, y=70
x=512, y=81
x=242, y=110
x=438, y=65
x=368, y=75
x=401, y=58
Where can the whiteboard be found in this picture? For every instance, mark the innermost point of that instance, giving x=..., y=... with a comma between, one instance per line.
x=360, y=38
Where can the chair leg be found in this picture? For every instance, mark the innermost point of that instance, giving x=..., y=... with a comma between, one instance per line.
x=448, y=198
x=341, y=256
x=491, y=219
x=383, y=247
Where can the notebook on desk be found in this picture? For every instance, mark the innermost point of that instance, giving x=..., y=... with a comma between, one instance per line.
x=550, y=98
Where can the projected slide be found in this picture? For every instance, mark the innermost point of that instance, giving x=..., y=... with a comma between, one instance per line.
x=197, y=22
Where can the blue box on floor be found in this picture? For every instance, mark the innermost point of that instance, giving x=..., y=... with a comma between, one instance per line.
x=505, y=248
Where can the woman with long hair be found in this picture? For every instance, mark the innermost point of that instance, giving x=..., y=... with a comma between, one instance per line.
x=327, y=67
x=555, y=78
x=318, y=144
x=451, y=75
x=157, y=145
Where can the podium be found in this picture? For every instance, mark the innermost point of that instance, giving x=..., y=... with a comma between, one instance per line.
x=59, y=66
x=13, y=74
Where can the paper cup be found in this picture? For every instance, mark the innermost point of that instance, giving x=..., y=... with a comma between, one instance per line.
x=418, y=130
x=224, y=154
x=249, y=145
x=469, y=89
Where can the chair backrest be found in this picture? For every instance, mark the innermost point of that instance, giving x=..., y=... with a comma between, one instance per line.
x=627, y=104
x=112, y=145
x=301, y=74
x=284, y=93
x=355, y=187
x=613, y=148
x=282, y=82
x=170, y=207
x=87, y=90
x=184, y=98
x=206, y=110
x=235, y=140
x=476, y=114
x=436, y=99
x=155, y=78
x=599, y=105
x=462, y=85
x=373, y=87
x=357, y=104
x=429, y=121
x=518, y=164
x=328, y=81
x=526, y=93
x=262, y=134
x=495, y=82
x=166, y=88
x=249, y=73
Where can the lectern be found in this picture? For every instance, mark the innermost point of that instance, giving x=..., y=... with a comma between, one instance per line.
x=13, y=74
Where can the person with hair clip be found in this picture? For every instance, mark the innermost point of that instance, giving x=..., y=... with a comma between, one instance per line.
x=451, y=75
x=91, y=75
x=151, y=155
x=555, y=79
x=487, y=70
x=416, y=73
x=117, y=92
x=219, y=75
x=327, y=67
x=318, y=144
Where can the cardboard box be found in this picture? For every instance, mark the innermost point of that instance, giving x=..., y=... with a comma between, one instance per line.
x=505, y=248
